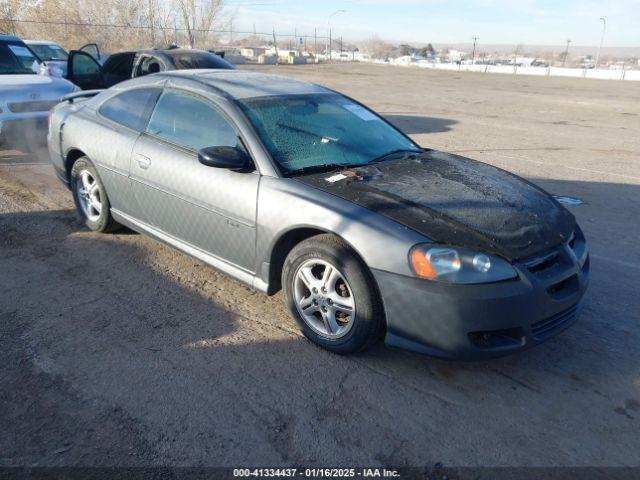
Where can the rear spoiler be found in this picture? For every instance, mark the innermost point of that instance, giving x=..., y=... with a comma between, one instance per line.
x=83, y=94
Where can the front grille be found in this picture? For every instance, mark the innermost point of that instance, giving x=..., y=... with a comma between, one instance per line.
x=28, y=107
x=549, y=326
x=542, y=263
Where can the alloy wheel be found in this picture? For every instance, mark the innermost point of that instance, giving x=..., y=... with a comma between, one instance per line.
x=89, y=195
x=324, y=299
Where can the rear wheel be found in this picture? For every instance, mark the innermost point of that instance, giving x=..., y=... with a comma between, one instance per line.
x=90, y=197
x=332, y=295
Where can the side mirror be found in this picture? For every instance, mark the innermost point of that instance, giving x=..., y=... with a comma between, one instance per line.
x=231, y=158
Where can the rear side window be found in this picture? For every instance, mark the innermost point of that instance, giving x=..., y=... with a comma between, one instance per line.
x=117, y=68
x=119, y=64
x=194, y=59
x=187, y=121
x=131, y=108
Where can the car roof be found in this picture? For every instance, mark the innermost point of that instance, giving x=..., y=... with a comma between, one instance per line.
x=40, y=42
x=242, y=84
x=10, y=38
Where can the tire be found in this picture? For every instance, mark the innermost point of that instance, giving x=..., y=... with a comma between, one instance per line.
x=83, y=174
x=323, y=315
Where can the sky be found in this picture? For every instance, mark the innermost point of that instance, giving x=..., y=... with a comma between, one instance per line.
x=533, y=22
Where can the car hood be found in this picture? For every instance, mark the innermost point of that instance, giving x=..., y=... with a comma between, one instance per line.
x=456, y=201
x=42, y=86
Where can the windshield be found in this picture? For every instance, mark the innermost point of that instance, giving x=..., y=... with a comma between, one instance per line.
x=303, y=132
x=16, y=58
x=50, y=51
x=193, y=60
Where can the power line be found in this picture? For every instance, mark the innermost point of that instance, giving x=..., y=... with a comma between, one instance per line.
x=147, y=27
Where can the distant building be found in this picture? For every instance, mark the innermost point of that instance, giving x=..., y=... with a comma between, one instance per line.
x=455, y=55
x=252, y=53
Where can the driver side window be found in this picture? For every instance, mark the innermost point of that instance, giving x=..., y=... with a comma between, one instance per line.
x=190, y=122
x=149, y=65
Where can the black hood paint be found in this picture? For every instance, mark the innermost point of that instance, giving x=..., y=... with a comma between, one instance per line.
x=457, y=201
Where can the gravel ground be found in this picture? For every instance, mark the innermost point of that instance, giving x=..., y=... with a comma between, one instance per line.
x=115, y=350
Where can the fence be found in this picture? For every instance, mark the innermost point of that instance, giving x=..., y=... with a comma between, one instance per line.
x=115, y=37
x=602, y=74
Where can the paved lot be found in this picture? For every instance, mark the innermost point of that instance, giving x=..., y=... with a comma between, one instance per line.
x=116, y=350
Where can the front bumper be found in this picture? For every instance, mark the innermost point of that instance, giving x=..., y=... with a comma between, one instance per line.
x=474, y=322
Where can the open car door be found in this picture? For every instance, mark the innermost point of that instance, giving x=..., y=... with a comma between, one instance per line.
x=84, y=70
x=93, y=50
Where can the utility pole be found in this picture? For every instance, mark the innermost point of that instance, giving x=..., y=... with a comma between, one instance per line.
x=473, y=55
x=275, y=44
x=328, y=50
x=566, y=53
x=604, y=28
x=315, y=44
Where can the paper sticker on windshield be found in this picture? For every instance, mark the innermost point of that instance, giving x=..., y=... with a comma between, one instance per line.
x=336, y=178
x=363, y=113
x=568, y=200
x=20, y=51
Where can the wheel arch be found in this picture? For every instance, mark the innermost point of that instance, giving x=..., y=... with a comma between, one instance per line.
x=286, y=242
x=70, y=158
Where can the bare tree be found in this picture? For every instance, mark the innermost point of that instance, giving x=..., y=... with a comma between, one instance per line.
x=377, y=48
x=197, y=19
x=10, y=11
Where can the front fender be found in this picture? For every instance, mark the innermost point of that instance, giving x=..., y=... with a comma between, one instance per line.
x=285, y=205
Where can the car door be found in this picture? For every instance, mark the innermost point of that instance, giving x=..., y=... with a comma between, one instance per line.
x=84, y=70
x=92, y=49
x=212, y=209
x=117, y=68
x=122, y=119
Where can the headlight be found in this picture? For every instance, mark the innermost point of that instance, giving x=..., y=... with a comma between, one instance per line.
x=458, y=265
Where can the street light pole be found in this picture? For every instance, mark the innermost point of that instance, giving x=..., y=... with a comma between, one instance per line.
x=328, y=49
x=566, y=53
x=473, y=55
x=604, y=28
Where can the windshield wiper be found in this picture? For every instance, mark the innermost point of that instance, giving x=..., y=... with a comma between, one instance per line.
x=410, y=152
x=325, y=167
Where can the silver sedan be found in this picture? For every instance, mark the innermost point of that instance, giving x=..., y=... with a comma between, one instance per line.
x=288, y=185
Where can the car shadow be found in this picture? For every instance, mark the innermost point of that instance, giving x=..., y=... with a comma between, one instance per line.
x=416, y=124
x=204, y=371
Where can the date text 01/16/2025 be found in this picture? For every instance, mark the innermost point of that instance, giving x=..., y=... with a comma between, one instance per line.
x=317, y=472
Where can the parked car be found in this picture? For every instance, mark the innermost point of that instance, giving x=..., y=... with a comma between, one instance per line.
x=55, y=59
x=86, y=71
x=52, y=55
x=25, y=97
x=285, y=184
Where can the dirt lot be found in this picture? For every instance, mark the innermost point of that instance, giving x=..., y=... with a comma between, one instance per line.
x=115, y=350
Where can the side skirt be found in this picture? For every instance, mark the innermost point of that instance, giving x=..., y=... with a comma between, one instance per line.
x=233, y=271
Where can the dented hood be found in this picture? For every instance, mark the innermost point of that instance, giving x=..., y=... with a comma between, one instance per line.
x=456, y=201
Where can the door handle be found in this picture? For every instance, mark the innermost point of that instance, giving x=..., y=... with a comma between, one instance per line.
x=143, y=162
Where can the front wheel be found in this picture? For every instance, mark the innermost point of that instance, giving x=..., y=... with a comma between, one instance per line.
x=332, y=295
x=90, y=197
